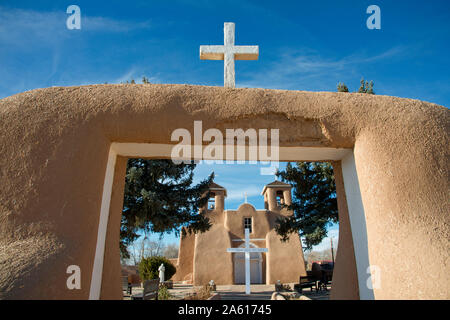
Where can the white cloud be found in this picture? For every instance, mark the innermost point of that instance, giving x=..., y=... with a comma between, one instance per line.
x=20, y=27
x=127, y=76
x=307, y=69
x=111, y=25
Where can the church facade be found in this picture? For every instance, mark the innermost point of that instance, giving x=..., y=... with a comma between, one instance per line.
x=203, y=257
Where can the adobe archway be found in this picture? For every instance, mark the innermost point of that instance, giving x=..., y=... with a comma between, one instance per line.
x=56, y=142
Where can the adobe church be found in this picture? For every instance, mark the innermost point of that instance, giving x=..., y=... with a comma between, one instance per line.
x=203, y=257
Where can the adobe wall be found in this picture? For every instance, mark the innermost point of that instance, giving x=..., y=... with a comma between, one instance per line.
x=112, y=289
x=234, y=222
x=185, y=265
x=54, y=147
x=285, y=259
x=345, y=280
x=211, y=259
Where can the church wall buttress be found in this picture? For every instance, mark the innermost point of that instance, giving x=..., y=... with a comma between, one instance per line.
x=185, y=258
x=211, y=259
x=285, y=261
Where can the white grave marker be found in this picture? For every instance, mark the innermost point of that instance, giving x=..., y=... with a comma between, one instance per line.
x=229, y=52
x=247, y=250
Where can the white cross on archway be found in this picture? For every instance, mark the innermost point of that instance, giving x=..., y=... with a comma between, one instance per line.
x=247, y=250
x=229, y=52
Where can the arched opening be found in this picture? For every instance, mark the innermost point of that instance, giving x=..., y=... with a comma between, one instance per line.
x=347, y=276
x=212, y=201
x=280, y=198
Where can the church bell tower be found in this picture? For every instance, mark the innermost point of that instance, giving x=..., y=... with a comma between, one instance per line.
x=216, y=201
x=276, y=194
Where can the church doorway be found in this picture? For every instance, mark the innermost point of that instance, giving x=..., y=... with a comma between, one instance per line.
x=255, y=266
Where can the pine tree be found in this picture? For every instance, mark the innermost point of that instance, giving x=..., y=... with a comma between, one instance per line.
x=366, y=87
x=145, y=80
x=159, y=197
x=341, y=87
x=369, y=89
x=314, y=203
x=362, y=88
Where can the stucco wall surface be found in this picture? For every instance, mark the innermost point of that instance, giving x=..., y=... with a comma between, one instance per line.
x=54, y=146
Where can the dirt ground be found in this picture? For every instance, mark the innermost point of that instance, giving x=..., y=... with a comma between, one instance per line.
x=235, y=292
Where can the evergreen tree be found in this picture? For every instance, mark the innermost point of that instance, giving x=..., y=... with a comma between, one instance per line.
x=159, y=197
x=314, y=203
x=369, y=89
x=341, y=87
x=362, y=88
x=366, y=87
x=145, y=80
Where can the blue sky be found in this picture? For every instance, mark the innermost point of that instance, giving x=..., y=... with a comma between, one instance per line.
x=304, y=45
